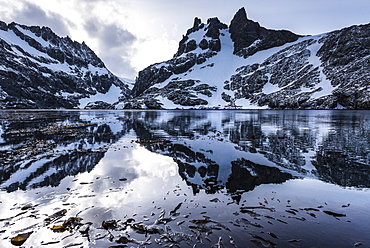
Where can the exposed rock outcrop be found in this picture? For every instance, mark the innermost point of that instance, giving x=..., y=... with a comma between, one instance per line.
x=249, y=37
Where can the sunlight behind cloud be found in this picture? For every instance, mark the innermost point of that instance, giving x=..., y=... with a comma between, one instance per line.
x=153, y=50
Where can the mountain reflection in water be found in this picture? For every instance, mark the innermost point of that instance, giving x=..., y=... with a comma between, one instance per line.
x=274, y=146
x=184, y=178
x=213, y=149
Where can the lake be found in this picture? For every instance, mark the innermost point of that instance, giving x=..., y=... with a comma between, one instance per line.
x=194, y=178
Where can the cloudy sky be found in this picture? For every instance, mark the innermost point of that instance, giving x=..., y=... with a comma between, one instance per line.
x=129, y=35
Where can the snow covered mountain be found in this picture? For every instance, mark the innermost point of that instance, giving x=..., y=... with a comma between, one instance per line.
x=217, y=66
x=39, y=69
x=244, y=65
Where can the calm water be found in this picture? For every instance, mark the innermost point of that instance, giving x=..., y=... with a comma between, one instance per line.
x=185, y=178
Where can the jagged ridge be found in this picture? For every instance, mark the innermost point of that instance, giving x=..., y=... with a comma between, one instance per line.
x=39, y=69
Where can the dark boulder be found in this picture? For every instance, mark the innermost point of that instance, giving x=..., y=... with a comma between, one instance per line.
x=196, y=26
x=215, y=45
x=190, y=46
x=203, y=44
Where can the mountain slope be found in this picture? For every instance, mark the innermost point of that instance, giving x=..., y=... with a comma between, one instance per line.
x=39, y=69
x=247, y=66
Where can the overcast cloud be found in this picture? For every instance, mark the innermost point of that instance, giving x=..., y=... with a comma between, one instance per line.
x=32, y=14
x=129, y=35
x=115, y=45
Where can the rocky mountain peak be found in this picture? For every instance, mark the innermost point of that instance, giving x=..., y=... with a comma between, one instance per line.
x=196, y=26
x=240, y=15
x=214, y=22
x=214, y=27
x=249, y=37
x=3, y=26
x=211, y=29
x=215, y=67
x=243, y=31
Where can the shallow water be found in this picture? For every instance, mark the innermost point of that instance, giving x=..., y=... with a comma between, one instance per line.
x=185, y=178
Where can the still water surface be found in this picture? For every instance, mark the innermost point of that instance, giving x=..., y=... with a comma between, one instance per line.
x=185, y=178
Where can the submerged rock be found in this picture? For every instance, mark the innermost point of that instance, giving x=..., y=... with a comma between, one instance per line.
x=109, y=224
x=20, y=238
x=56, y=215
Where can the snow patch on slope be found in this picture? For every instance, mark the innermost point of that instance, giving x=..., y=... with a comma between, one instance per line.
x=325, y=84
x=12, y=39
x=110, y=97
x=40, y=40
x=269, y=87
x=246, y=104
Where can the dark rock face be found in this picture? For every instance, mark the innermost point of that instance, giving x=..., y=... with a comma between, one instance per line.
x=288, y=70
x=150, y=76
x=197, y=26
x=182, y=92
x=152, y=104
x=245, y=32
x=39, y=69
x=344, y=55
x=214, y=27
x=212, y=30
